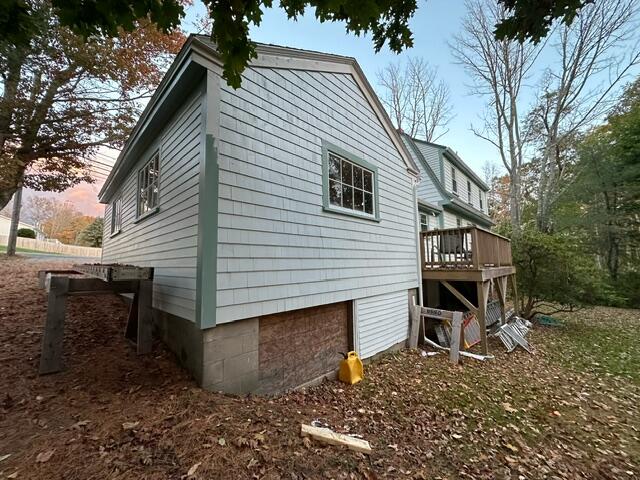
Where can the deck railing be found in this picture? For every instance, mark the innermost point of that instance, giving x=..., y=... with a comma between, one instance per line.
x=465, y=247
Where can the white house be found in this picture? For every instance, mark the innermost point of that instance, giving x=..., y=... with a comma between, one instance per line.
x=280, y=217
x=450, y=194
x=5, y=227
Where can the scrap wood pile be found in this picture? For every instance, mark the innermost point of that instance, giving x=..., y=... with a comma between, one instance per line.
x=512, y=333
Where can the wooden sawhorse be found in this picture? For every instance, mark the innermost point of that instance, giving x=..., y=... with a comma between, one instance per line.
x=60, y=284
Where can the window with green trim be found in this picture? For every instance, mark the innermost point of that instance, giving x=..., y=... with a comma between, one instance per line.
x=350, y=184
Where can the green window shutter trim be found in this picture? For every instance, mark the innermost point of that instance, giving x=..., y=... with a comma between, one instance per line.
x=207, y=237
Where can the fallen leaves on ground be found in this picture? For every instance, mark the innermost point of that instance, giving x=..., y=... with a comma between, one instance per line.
x=112, y=414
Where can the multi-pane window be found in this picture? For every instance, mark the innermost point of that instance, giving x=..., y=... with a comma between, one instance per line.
x=116, y=215
x=424, y=222
x=469, y=192
x=454, y=183
x=350, y=186
x=480, y=197
x=148, y=182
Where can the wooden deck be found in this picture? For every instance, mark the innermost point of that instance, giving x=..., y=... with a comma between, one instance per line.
x=470, y=254
x=465, y=254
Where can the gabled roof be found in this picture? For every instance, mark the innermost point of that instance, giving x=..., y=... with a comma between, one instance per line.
x=448, y=199
x=457, y=161
x=199, y=51
x=423, y=161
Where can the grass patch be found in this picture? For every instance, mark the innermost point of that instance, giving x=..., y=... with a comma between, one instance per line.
x=3, y=249
x=602, y=341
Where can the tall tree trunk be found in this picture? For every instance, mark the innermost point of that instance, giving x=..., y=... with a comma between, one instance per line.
x=15, y=221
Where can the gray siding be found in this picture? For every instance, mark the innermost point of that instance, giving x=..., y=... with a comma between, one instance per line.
x=432, y=155
x=382, y=322
x=167, y=240
x=277, y=249
x=461, y=180
x=426, y=190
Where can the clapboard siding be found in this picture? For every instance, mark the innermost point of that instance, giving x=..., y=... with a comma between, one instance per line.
x=382, y=321
x=168, y=239
x=450, y=219
x=277, y=249
x=461, y=180
x=426, y=190
x=431, y=154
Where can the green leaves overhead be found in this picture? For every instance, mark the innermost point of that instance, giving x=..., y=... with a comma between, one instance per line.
x=532, y=19
x=386, y=20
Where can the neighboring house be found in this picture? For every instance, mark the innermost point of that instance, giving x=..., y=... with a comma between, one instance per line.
x=450, y=194
x=5, y=227
x=280, y=217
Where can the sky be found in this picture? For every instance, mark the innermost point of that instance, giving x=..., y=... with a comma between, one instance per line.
x=433, y=27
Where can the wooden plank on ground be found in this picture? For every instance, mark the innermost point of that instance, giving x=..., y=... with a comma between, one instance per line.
x=456, y=331
x=414, y=317
x=52, y=340
x=327, y=435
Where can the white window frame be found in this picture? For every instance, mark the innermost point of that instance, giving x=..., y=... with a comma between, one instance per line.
x=328, y=151
x=145, y=187
x=454, y=182
x=469, y=192
x=116, y=215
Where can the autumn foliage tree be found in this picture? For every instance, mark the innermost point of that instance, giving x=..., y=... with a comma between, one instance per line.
x=64, y=96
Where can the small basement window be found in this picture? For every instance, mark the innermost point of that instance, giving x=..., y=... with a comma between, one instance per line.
x=350, y=184
x=148, y=182
x=116, y=215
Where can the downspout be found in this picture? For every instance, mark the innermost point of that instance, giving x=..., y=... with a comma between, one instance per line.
x=417, y=234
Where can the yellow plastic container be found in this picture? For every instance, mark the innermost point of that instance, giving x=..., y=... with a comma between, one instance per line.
x=351, y=370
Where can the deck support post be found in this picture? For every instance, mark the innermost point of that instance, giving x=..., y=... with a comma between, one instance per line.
x=52, y=341
x=481, y=314
x=501, y=287
x=514, y=287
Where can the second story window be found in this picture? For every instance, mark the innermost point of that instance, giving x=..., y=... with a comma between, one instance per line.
x=480, y=197
x=148, y=183
x=469, y=192
x=116, y=215
x=454, y=183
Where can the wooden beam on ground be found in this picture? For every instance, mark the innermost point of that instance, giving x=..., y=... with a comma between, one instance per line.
x=145, y=316
x=414, y=318
x=460, y=296
x=482, y=289
x=456, y=340
x=52, y=340
x=327, y=435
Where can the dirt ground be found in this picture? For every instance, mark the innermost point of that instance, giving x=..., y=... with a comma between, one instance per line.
x=571, y=410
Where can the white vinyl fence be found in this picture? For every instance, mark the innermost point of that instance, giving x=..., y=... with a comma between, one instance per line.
x=53, y=247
